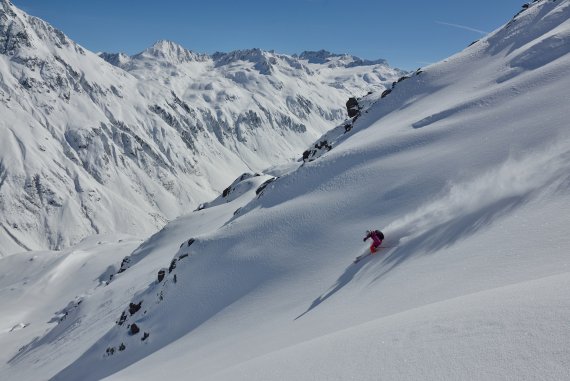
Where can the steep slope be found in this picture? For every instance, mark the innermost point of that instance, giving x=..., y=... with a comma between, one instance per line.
x=464, y=166
x=89, y=148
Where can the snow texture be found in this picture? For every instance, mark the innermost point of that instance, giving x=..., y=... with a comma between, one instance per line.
x=464, y=166
x=91, y=148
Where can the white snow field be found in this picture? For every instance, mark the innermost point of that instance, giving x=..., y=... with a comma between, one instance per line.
x=465, y=167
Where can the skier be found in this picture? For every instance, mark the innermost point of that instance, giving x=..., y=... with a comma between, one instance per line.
x=377, y=237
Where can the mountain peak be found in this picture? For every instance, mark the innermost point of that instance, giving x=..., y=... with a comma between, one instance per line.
x=317, y=57
x=334, y=59
x=239, y=55
x=171, y=52
x=167, y=45
x=19, y=30
x=13, y=32
x=116, y=59
x=262, y=60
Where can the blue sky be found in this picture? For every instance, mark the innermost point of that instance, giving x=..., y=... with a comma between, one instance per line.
x=409, y=34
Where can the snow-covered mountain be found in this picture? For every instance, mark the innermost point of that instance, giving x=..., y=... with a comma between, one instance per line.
x=465, y=167
x=88, y=148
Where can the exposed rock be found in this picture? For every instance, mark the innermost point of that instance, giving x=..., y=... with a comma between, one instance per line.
x=262, y=187
x=172, y=265
x=125, y=264
x=161, y=275
x=319, y=147
x=122, y=319
x=133, y=308
x=134, y=329
x=402, y=79
x=352, y=107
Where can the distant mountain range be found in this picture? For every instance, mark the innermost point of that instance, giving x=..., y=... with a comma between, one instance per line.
x=125, y=143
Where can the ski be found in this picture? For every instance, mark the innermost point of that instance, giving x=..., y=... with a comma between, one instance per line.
x=362, y=256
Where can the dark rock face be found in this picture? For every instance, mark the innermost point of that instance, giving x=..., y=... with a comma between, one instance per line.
x=13, y=33
x=319, y=148
x=161, y=274
x=125, y=264
x=262, y=61
x=232, y=187
x=172, y=265
x=134, y=329
x=352, y=107
x=402, y=79
x=133, y=308
x=122, y=319
x=261, y=188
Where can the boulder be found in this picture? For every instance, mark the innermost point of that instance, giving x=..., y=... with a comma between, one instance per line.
x=161, y=275
x=134, y=329
x=352, y=107
x=133, y=308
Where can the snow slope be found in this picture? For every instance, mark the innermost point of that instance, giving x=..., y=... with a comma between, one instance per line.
x=465, y=168
x=89, y=148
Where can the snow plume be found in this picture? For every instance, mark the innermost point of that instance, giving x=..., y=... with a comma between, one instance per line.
x=466, y=207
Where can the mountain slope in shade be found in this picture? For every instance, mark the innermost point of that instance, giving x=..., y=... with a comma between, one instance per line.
x=88, y=148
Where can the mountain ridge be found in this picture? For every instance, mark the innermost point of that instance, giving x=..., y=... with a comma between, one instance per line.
x=175, y=53
x=83, y=139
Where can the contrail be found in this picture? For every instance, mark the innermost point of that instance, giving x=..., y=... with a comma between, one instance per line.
x=462, y=27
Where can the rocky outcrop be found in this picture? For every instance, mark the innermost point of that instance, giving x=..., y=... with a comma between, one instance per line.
x=161, y=275
x=134, y=329
x=317, y=150
x=352, y=107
